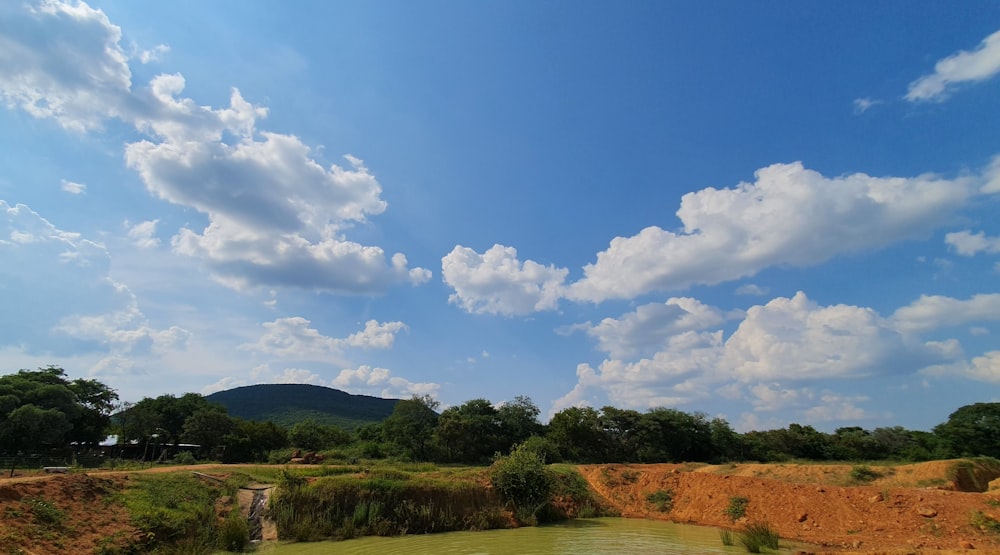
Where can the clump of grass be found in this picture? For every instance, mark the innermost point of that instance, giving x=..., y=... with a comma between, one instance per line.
x=630, y=476
x=234, y=534
x=985, y=522
x=45, y=512
x=863, y=473
x=757, y=536
x=737, y=507
x=663, y=500
x=727, y=536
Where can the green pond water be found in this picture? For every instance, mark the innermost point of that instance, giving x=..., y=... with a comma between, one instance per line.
x=598, y=536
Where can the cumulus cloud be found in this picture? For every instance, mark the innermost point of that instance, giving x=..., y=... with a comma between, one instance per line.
x=789, y=216
x=366, y=380
x=931, y=312
x=962, y=67
x=276, y=215
x=777, y=345
x=967, y=243
x=62, y=61
x=647, y=328
x=496, y=282
x=293, y=338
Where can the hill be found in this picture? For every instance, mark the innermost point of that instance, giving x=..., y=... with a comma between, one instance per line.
x=286, y=404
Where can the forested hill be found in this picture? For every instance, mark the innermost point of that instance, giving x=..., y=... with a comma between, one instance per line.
x=286, y=404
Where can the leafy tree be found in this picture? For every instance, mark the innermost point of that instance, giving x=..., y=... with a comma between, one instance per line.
x=577, y=433
x=672, y=435
x=620, y=429
x=410, y=427
x=470, y=432
x=313, y=436
x=251, y=441
x=518, y=421
x=208, y=428
x=71, y=410
x=972, y=430
x=164, y=416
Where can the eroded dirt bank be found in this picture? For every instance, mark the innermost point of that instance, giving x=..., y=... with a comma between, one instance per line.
x=908, y=509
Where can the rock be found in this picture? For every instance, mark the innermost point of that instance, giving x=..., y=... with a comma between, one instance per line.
x=820, y=490
x=856, y=544
x=965, y=544
x=927, y=512
x=803, y=517
x=875, y=498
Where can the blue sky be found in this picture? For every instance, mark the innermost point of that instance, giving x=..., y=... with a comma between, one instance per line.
x=770, y=212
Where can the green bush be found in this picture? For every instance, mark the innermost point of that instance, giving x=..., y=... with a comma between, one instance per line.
x=45, y=512
x=737, y=507
x=864, y=474
x=663, y=500
x=757, y=536
x=522, y=480
x=234, y=534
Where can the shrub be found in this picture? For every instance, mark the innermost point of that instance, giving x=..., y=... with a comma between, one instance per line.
x=663, y=500
x=522, y=480
x=185, y=457
x=45, y=512
x=737, y=507
x=864, y=474
x=234, y=534
x=757, y=536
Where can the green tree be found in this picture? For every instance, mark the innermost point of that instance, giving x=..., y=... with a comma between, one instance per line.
x=251, y=441
x=313, y=436
x=577, y=433
x=164, y=416
x=409, y=430
x=972, y=430
x=72, y=410
x=620, y=427
x=208, y=428
x=470, y=432
x=518, y=421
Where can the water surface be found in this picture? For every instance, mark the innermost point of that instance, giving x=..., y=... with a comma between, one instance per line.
x=597, y=536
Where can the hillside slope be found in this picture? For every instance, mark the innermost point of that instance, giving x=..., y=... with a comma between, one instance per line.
x=286, y=404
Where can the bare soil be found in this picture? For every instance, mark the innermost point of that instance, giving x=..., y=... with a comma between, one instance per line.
x=914, y=508
x=910, y=509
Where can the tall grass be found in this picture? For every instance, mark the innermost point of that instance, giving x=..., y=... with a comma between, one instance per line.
x=756, y=536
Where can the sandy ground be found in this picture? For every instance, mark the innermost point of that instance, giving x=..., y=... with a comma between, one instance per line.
x=911, y=509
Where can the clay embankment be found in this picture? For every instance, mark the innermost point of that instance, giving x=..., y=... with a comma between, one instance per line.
x=909, y=509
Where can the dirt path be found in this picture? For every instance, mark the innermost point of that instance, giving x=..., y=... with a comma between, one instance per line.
x=804, y=503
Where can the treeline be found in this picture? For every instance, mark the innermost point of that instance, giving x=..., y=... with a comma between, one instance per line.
x=43, y=409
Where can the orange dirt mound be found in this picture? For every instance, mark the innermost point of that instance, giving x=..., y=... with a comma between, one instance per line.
x=814, y=504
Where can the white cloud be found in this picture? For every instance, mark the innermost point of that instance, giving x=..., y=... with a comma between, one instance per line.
x=785, y=342
x=62, y=61
x=153, y=54
x=366, y=380
x=789, y=216
x=376, y=335
x=276, y=216
x=967, y=243
x=984, y=368
x=293, y=339
x=862, y=105
x=496, y=282
x=752, y=289
x=73, y=188
x=59, y=298
x=931, y=312
x=143, y=234
x=797, y=339
x=961, y=67
x=647, y=329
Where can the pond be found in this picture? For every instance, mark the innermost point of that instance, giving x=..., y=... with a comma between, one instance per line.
x=597, y=536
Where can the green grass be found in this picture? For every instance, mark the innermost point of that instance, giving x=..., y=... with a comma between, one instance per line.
x=864, y=474
x=737, y=507
x=757, y=536
x=663, y=500
x=727, y=536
